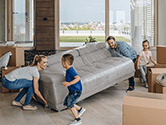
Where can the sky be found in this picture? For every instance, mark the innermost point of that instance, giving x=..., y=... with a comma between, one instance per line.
x=87, y=10
x=93, y=10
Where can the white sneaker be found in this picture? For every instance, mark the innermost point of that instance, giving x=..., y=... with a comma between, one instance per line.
x=81, y=112
x=14, y=103
x=76, y=122
x=140, y=78
x=30, y=107
x=146, y=85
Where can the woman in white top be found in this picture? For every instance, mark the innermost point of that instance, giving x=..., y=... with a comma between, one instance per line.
x=26, y=78
x=143, y=59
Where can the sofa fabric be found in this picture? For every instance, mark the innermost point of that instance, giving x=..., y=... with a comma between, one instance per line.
x=94, y=64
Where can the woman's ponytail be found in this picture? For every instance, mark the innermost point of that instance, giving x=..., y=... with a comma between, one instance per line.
x=37, y=58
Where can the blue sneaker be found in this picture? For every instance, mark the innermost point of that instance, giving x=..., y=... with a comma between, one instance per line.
x=130, y=89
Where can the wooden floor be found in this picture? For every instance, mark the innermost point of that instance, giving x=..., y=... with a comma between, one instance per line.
x=104, y=108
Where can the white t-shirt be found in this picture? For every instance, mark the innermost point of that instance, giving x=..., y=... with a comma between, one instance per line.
x=23, y=73
x=144, y=60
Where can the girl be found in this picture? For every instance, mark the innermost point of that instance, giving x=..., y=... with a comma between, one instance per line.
x=143, y=59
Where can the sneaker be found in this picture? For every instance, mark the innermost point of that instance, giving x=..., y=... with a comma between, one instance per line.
x=130, y=89
x=146, y=85
x=14, y=103
x=29, y=107
x=116, y=84
x=140, y=78
x=76, y=122
x=81, y=111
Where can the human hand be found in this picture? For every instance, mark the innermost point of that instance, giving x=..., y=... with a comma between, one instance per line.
x=138, y=68
x=66, y=84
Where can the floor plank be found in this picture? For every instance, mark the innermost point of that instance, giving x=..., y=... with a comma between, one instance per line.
x=103, y=108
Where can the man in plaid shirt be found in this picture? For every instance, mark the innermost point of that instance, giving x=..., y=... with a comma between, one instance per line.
x=120, y=48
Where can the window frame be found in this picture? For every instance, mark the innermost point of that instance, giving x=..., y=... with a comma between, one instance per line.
x=57, y=37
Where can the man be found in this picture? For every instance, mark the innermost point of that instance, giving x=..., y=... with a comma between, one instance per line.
x=122, y=49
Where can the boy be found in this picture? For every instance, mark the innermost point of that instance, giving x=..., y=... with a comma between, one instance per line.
x=74, y=86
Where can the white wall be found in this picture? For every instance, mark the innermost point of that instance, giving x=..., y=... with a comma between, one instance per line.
x=2, y=20
x=161, y=22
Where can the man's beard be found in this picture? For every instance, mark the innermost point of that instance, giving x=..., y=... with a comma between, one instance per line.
x=113, y=46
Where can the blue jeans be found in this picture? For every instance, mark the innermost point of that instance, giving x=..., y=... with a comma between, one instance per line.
x=71, y=99
x=131, y=79
x=143, y=71
x=27, y=86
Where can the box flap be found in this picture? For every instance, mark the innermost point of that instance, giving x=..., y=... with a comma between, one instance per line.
x=161, y=45
x=144, y=102
x=147, y=95
x=158, y=70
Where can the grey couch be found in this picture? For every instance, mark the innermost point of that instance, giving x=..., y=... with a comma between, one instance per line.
x=93, y=63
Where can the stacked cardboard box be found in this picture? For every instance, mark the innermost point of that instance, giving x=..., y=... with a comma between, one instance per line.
x=144, y=109
x=16, y=60
x=161, y=55
x=160, y=89
x=152, y=75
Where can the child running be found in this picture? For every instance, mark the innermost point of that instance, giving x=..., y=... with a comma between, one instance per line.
x=144, y=58
x=74, y=86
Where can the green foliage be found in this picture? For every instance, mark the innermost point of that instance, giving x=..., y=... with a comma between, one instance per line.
x=82, y=38
x=91, y=39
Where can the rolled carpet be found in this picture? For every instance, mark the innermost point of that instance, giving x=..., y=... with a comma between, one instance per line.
x=161, y=79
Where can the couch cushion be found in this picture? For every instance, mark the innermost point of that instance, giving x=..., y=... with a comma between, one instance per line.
x=101, y=45
x=56, y=58
x=78, y=61
x=74, y=52
x=88, y=48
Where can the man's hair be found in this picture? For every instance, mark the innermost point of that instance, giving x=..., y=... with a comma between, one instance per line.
x=69, y=58
x=110, y=37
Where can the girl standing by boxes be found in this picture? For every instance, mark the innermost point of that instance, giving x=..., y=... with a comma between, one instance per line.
x=144, y=57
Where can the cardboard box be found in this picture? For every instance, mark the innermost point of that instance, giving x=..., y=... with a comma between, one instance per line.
x=160, y=65
x=4, y=72
x=152, y=75
x=17, y=58
x=144, y=109
x=161, y=56
x=137, y=72
x=160, y=89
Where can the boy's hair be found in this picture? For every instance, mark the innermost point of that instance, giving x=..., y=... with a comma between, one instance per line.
x=145, y=42
x=69, y=58
x=110, y=37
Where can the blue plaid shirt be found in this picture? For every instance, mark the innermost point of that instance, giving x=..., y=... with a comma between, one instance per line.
x=123, y=49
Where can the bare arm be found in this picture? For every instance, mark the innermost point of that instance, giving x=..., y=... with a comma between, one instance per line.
x=152, y=60
x=76, y=79
x=138, y=59
x=36, y=89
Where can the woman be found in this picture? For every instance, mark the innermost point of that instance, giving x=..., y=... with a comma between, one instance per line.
x=26, y=78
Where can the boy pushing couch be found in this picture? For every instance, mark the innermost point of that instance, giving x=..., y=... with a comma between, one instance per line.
x=74, y=86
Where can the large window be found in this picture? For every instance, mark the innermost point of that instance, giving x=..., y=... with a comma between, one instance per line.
x=23, y=22
x=143, y=16
x=80, y=19
x=119, y=20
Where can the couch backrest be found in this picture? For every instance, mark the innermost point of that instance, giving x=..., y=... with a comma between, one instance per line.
x=93, y=52
x=82, y=55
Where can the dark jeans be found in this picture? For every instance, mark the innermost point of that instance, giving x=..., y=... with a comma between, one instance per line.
x=131, y=79
x=27, y=86
x=71, y=99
